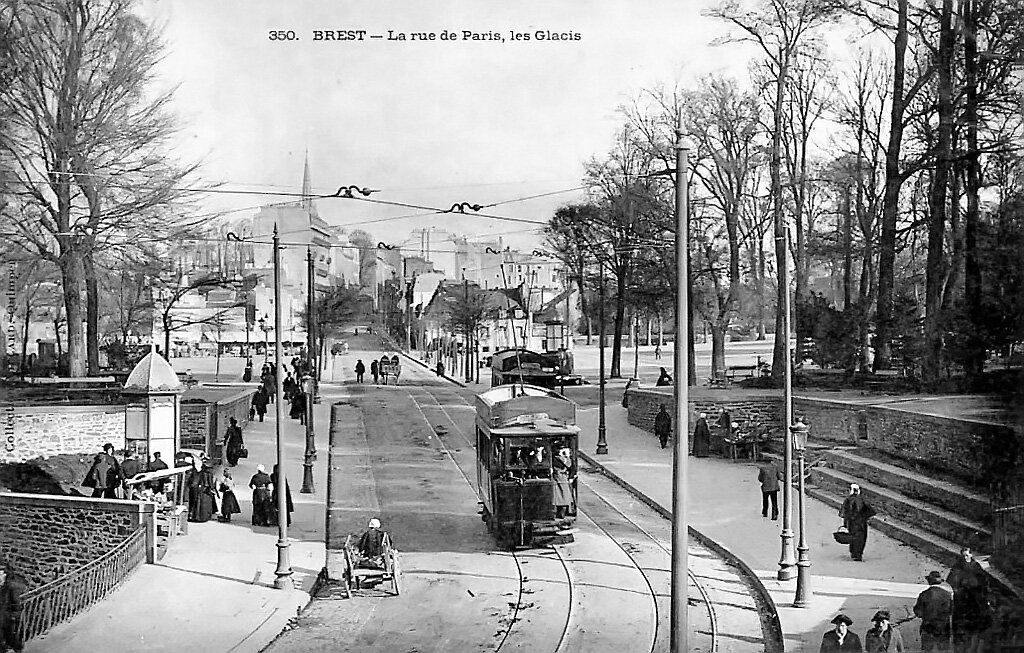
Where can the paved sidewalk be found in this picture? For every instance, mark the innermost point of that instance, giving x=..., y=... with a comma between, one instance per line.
x=724, y=503
x=214, y=590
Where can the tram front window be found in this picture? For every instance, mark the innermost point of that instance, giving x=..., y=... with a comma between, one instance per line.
x=530, y=460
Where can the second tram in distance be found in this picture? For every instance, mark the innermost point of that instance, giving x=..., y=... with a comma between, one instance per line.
x=526, y=444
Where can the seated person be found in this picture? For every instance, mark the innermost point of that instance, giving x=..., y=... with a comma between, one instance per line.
x=664, y=378
x=371, y=545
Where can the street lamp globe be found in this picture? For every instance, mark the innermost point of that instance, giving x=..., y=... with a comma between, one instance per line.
x=799, y=431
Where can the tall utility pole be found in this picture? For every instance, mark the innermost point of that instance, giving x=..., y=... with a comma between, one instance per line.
x=680, y=537
x=283, y=572
x=787, y=560
x=409, y=285
x=469, y=353
x=602, y=432
x=310, y=454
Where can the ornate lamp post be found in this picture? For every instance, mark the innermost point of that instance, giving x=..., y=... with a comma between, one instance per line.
x=266, y=344
x=309, y=387
x=804, y=594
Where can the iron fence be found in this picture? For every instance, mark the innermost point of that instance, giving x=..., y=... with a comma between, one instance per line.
x=50, y=604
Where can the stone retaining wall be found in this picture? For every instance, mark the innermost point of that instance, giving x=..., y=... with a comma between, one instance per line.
x=203, y=424
x=643, y=406
x=973, y=451
x=47, y=536
x=41, y=431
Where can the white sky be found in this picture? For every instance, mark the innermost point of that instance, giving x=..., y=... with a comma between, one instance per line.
x=430, y=123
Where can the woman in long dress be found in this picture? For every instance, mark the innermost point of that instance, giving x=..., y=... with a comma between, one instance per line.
x=202, y=494
x=261, y=503
x=287, y=499
x=702, y=437
x=228, y=502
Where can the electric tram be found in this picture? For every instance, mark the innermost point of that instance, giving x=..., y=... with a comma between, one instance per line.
x=524, y=366
x=526, y=444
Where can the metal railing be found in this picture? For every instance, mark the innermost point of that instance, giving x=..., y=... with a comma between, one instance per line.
x=50, y=604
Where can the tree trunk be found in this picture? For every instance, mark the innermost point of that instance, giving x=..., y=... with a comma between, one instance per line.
x=718, y=347
x=71, y=279
x=24, y=338
x=891, y=197
x=92, y=314
x=975, y=363
x=779, y=352
x=847, y=252
x=759, y=286
x=167, y=337
x=620, y=321
x=935, y=272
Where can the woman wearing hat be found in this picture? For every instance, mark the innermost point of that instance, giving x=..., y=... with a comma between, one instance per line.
x=841, y=638
x=883, y=637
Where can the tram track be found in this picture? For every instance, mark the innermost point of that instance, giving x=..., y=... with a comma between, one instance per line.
x=657, y=639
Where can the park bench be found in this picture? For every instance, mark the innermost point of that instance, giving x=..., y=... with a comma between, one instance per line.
x=745, y=371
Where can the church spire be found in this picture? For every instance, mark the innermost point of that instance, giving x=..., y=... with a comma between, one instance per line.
x=307, y=188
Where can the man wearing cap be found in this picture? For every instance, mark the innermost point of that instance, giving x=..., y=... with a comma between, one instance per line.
x=841, y=638
x=934, y=606
x=883, y=637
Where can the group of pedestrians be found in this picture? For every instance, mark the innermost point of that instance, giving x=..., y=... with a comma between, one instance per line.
x=380, y=371
x=957, y=621
x=107, y=476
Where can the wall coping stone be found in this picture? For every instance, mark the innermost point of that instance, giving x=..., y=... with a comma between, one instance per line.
x=48, y=500
x=37, y=409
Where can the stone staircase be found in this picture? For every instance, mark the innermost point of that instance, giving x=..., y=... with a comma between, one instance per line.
x=934, y=516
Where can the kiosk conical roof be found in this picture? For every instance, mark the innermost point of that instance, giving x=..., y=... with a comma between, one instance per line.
x=152, y=374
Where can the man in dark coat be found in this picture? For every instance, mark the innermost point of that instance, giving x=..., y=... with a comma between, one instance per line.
x=298, y=409
x=934, y=606
x=702, y=437
x=374, y=370
x=769, y=476
x=130, y=466
x=156, y=465
x=856, y=512
x=360, y=370
x=841, y=638
x=972, y=615
x=663, y=426
x=104, y=476
x=260, y=401
x=12, y=588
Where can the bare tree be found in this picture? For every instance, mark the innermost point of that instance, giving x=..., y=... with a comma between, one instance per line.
x=780, y=28
x=631, y=217
x=86, y=142
x=724, y=123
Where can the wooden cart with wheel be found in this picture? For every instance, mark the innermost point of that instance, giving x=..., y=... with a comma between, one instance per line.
x=360, y=571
